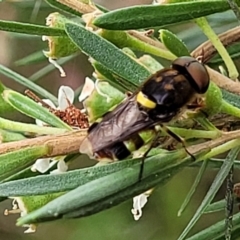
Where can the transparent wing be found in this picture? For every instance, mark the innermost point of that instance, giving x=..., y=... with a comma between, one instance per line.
x=116, y=126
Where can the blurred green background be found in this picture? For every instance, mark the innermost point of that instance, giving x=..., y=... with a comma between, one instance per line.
x=159, y=219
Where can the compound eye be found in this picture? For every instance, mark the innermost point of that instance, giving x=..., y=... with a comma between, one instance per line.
x=197, y=72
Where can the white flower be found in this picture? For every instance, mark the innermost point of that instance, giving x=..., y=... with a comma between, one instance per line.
x=42, y=165
x=65, y=98
x=88, y=88
x=157, y=2
x=138, y=203
x=61, y=167
x=18, y=207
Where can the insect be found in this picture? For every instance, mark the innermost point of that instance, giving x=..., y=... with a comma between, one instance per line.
x=160, y=99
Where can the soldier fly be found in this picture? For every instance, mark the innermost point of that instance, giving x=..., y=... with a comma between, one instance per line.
x=160, y=99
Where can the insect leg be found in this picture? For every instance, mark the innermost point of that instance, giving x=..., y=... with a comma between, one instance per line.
x=178, y=138
x=151, y=144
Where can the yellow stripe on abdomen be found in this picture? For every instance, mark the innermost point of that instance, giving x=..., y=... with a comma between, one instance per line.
x=144, y=101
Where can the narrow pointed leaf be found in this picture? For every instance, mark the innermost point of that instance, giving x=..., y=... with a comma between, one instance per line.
x=234, y=52
x=173, y=43
x=27, y=83
x=33, y=58
x=31, y=29
x=33, y=109
x=216, y=163
x=150, y=63
x=27, y=127
x=25, y=173
x=60, y=182
x=147, y=16
x=193, y=188
x=105, y=186
x=217, y=230
x=4, y=106
x=215, y=207
x=70, y=180
x=124, y=39
x=109, y=76
x=107, y=54
x=222, y=174
x=157, y=179
x=62, y=7
x=7, y=136
x=231, y=98
x=15, y=161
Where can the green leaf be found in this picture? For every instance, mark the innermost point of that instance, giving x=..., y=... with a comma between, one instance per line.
x=62, y=7
x=234, y=8
x=107, y=54
x=101, y=8
x=233, y=99
x=33, y=58
x=104, y=74
x=98, y=104
x=173, y=43
x=31, y=29
x=200, y=117
x=219, y=179
x=124, y=39
x=230, y=109
x=31, y=203
x=33, y=109
x=4, y=106
x=60, y=182
x=217, y=163
x=67, y=181
x=2, y=87
x=13, y=162
x=107, y=185
x=215, y=207
x=217, y=230
x=148, y=16
x=157, y=179
x=25, y=173
x=27, y=83
x=217, y=44
x=26, y=127
x=7, y=136
x=234, y=52
x=150, y=63
x=193, y=188
x=213, y=102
